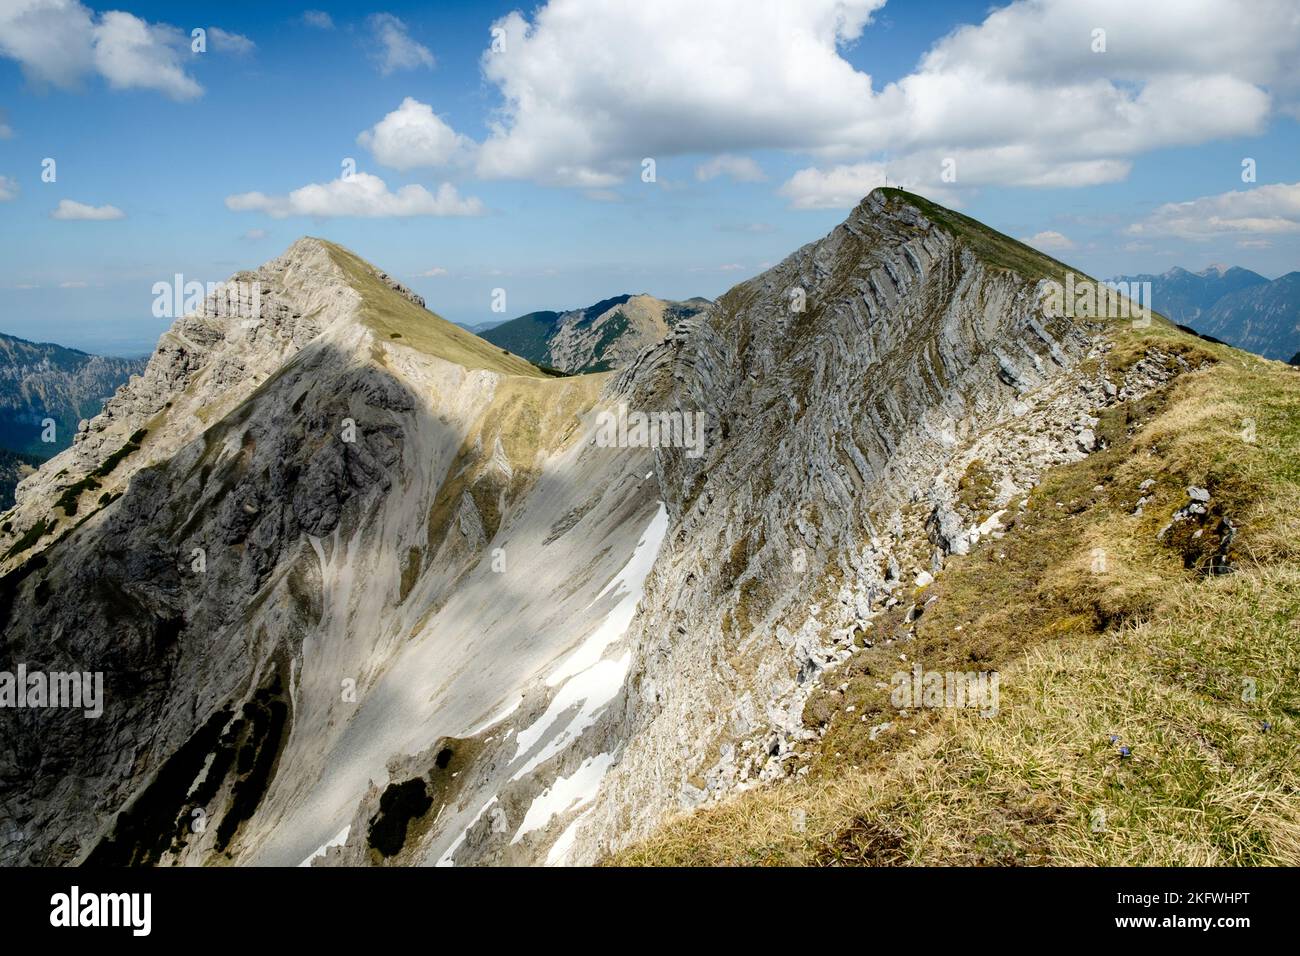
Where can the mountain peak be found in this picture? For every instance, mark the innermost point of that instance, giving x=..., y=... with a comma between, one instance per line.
x=901, y=214
x=597, y=338
x=316, y=295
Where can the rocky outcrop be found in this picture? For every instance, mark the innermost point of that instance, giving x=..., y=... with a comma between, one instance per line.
x=611, y=339
x=838, y=437
x=204, y=366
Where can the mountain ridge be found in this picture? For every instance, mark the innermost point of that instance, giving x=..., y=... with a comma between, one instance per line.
x=40, y=380
x=438, y=621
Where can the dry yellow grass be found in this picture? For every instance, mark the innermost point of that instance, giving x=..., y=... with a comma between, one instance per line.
x=393, y=317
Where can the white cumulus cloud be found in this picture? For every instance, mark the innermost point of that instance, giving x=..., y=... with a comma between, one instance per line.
x=131, y=54
x=839, y=187
x=589, y=88
x=1269, y=209
x=53, y=40
x=8, y=188
x=412, y=136
x=60, y=42
x=360, y=195
x=69, y=210
x=1049, y=241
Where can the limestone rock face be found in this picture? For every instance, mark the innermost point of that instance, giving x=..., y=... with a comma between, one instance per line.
x=356, y=602
x=615, y=336
x=837, y=438
x=204, y=366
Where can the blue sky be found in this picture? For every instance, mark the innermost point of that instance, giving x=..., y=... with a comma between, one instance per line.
x=766, y=122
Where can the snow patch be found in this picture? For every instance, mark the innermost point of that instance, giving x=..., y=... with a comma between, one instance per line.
x=590, y=691
x=446, y=858
x=338, y=839
x=590, y=680
x=629, y=587
x=559, y=850
x=565, y=794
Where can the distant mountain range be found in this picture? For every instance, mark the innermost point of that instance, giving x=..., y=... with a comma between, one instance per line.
x=1234, y=305
x=40, y=381
x=597, y=338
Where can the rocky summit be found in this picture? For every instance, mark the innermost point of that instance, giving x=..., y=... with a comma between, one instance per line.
x=365, y=588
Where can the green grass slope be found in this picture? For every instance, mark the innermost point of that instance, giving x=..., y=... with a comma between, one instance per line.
x=529, y=335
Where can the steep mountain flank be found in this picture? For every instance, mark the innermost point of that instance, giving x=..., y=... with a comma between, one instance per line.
x=1140, y=609
x=275, y=546
x=529, y=335
x=830, y=485
x=598, y=338
x=366, y=589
